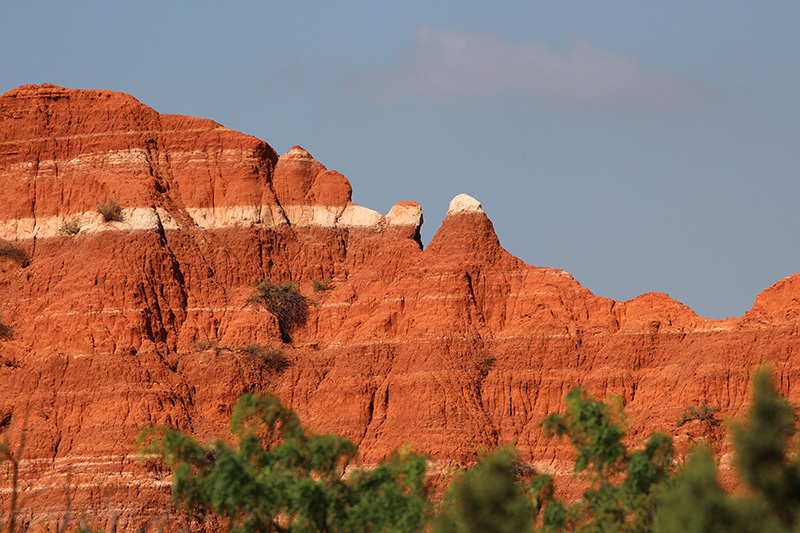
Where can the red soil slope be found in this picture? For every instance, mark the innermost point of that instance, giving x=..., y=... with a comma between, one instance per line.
x=452, y=348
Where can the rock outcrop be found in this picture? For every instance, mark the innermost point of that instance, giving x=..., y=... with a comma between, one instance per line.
x=449, y=348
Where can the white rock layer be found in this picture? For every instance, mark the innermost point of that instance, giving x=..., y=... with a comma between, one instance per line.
x=405, y=214
x=148, y=218
x=464, y=203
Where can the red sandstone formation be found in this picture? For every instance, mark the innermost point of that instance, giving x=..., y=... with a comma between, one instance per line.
x=451, y=348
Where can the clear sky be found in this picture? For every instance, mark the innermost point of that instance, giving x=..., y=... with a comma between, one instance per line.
x=641, y=145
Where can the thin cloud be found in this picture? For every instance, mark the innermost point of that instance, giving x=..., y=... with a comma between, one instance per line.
x=445, y=64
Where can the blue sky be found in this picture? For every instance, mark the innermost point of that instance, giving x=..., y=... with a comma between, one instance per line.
x=641, y=146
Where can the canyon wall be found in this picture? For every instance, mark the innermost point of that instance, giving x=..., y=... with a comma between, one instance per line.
x=451, y=348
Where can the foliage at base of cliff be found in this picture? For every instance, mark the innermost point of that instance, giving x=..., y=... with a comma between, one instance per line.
x=279, y=477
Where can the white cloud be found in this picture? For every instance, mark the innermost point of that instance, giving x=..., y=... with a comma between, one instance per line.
x=445, y=63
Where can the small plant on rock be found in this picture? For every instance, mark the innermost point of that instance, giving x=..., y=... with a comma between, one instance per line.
x=14, y=253
x=110, y=210
x=706, y=414
x=5, y=330
x=321, y=285
x=284, y=301
x=70, y=227
x=202, y=344
x=483, y=364
x=267, y=357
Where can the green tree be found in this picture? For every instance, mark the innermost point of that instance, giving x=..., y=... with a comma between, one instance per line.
x=624, y=489
x=697, y=504
x=590, y=426
x=764, y=463
x=762, y=454
x=279, y=477
x=486, y=499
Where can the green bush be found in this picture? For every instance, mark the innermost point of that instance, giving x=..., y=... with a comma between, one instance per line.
x=765, y=460
x=704, y=413
x=321, y=285
x=111, y=210
x=266, y=357
x=641, y=491
x=625, y=485
x=284, y=301
x=486, y=499
x=277, y=476
x=71, y=226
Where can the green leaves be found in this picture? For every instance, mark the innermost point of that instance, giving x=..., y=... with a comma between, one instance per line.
x=279, y=477
x=763, y=461
x=591, y=428
x=762, y=455
x=696, y=503
x=649, y=466
x=625, y=485
x=391, y=497
x=486, y=499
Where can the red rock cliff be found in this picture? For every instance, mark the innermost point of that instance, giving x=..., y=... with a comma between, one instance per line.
x=450, y=348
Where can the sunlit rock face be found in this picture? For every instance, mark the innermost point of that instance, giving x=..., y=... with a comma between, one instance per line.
x=449, y=349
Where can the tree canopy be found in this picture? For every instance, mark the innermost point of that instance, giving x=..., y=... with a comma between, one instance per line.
x=278, y=477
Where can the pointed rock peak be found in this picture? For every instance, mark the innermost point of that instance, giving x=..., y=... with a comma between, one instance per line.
x=298, y=152
x=463, y=203
x=778, y=303
x=468, y=238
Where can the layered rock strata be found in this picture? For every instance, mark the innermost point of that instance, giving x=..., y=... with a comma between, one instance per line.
x=450, y=348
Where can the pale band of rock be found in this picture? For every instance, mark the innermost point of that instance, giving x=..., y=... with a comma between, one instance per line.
x=148, y=218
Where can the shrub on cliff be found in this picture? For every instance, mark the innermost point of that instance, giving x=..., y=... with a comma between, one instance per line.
x=110, y=210
x=705, y=414
x=10, y=251
x=5, y=330
x=279, y=477
x=321, y=285
x=70, y=227
x=284, y=301
x=266, y=357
